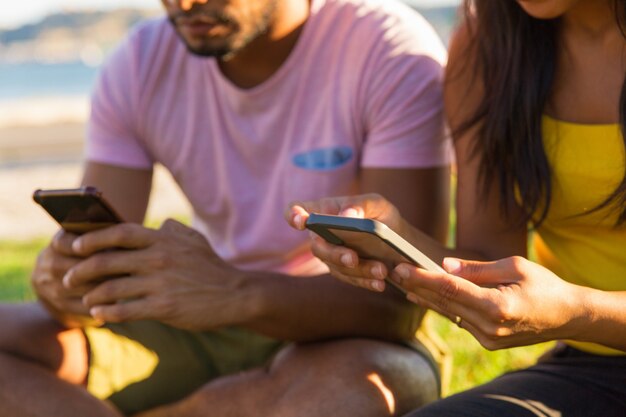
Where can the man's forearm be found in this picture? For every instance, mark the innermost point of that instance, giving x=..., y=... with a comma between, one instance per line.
x=321, y=307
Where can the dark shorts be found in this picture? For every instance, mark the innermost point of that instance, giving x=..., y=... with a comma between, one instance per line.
x=565, y=383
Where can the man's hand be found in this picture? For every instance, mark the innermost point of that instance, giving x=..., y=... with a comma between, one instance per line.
x=171, y=275
x=344, y=263
x=64, y=304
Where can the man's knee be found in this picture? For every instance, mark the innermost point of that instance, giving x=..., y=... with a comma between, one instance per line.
x=30, y=334
x=359, y=370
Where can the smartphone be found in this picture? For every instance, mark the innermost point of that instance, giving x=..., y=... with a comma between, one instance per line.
x=371, y=239
x=78, y=210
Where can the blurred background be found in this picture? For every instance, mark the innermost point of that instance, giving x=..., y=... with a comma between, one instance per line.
x=50, y=52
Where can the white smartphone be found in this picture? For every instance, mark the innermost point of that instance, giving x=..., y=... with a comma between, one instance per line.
x=371, y=239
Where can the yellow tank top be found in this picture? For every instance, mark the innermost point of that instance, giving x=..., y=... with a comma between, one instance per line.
x=588, y=164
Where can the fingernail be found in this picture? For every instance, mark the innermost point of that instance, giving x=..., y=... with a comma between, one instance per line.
x=347, y=260
x=67, y=280
x=377, y=272
x=77, y=245
x=95, y=312
x=452, y=265
x=378, y=286
x=402, y=271
x=412, y=298
x=350, y=212
x=298, y=222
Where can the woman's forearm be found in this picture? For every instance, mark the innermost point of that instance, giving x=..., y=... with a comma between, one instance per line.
x=605, y=321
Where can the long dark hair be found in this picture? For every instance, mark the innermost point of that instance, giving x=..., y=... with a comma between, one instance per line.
x=516, y=57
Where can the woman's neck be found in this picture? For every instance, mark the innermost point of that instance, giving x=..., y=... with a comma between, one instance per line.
x=594, y=19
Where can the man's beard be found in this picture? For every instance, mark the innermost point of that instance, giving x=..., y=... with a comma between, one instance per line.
x=230, y=46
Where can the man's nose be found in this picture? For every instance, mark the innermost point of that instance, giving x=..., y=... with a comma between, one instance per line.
x=188, y=4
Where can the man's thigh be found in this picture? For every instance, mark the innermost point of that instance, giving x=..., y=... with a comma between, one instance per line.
x=568, y=383
x=138, y=366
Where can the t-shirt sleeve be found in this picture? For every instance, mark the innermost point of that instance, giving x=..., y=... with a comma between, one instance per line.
x=112, y=136
x=404, y=104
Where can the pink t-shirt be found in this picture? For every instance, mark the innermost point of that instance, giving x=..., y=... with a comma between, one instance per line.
x=362, y=88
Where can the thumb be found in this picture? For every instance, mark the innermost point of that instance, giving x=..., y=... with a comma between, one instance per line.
x=296, y=215
x=174, y=227
x=480, y=273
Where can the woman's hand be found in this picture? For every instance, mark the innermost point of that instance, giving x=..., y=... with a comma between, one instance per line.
x=507, y=303
x=344, y=263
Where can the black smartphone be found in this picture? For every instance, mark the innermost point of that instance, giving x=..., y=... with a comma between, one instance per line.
x=78, y=210
x=371, y=239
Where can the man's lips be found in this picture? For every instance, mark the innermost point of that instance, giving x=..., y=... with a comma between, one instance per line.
x=202, y=27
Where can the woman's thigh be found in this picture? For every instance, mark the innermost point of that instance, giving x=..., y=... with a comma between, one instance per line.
x=569, y=383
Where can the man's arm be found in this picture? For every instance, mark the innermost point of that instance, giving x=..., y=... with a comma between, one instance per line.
x=127, y=189
x=174, y=276
x=319, y=307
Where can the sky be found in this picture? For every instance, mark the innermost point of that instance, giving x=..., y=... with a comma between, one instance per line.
x=32, y=10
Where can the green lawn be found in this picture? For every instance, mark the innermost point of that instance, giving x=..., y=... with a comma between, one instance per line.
x=472, y=364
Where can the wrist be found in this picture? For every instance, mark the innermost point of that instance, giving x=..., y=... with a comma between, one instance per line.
x=253, y=296
x=583, y=300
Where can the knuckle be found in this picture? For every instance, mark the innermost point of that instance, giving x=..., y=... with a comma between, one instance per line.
x=96, y=263
x=516, y=262
x=106, y=290
x=56, y=293
x=44, y=259
x=123, y=232
x=448, y=291
x=117, y=313
x=167, y=306
x=161, y=259
x=474, y=269
x=57, y=266
x=500, y=312
x=319, y=250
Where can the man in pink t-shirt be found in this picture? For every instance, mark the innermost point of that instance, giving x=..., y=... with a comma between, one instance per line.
x=250, y=104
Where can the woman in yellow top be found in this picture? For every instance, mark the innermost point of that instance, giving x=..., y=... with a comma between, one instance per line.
x=536, y=101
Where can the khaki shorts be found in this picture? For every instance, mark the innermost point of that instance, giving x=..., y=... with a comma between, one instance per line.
x=138, y=366
x=141, y=365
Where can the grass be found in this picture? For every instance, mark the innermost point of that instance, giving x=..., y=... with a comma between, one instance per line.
x=16, y=263
x=472, y=364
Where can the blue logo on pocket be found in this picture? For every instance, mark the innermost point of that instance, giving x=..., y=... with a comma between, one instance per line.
x=324, y=158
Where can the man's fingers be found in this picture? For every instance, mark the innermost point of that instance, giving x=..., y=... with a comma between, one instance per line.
x=110, y=264
x=366, y=283
x=297, y=215
x=126, y=236
x=51, y=266
x=62, y=243
x=116, y=289
x=333, y=254
x=132, y=310
x=174, y=227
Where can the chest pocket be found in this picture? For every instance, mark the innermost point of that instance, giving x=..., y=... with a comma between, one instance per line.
x=321, y=172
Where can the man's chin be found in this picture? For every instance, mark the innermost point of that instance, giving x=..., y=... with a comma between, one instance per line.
x=209, y=52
